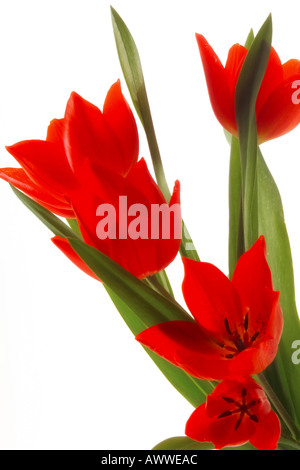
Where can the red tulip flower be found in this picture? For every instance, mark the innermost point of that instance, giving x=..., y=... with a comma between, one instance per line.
x=52, y=169
x=276, y=111
x=237, y=324
x=129, y=233
x=236, y=412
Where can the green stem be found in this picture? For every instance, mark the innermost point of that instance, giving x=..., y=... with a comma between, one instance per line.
x=156, y=285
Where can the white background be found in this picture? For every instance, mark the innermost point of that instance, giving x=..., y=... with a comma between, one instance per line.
x=71, y=374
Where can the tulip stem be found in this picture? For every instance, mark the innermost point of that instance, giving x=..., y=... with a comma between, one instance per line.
x=284, y=415
x=156, y=285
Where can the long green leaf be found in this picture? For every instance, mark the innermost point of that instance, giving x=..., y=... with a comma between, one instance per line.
x=135, y=293
x=236, y=233
x=248, y=85
x=283, y=374
x=132, y=69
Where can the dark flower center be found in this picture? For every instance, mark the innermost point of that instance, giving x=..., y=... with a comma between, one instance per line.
x=239, y=340
x=242, y=408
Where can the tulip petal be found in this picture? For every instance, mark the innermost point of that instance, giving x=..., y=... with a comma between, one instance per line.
x=66, y=248
x=290, y=68
x=267, y=433
x=254, y=360
x=87, y=135
x=219, y=89
x=184, y=344
x=19, y=179
x=139, y=253
x=120, y=118
x=198, y=425
x=272, y=78
x=211, y=297
x=281, y=111
x=234, y=63
x=55, y=131
x=45, y=164
x=253, y=281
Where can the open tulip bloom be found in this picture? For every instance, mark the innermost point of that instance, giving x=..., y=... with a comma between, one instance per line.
x=236, y=351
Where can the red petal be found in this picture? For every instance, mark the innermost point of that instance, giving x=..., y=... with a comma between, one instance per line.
x=141, y=256
x=273, y=77
x=256, y=359
x=184, y=344
x=267, y=433
x=119, y=116
x=224, y=434
x=198, y=425
x=252, y=280
x=45, y=164
x=235, y=60
x=66, y=248
x=219, y=89
x=281, y=111
x=290, y=68
x=87, y=135
x=55, y=131
x=210, y=296
x=19, y=179
x=275, y=325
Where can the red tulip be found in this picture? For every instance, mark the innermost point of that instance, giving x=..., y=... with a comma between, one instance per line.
x=52, y=169
x=125, y=229
x=237, y=324
x=276, y=111
x=236, y=412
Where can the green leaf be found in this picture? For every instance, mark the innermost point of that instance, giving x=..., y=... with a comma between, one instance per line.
x=250, y=39
x=248, y=85
x=135, y=293
x=133, y=73
x=283, y=375
x=74, y=226
x=236, y=233
x=185, y=443
x=132, y=69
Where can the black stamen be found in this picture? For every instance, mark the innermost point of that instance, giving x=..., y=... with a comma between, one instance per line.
x=238, y=423
x=254, y=418
x=229, y=356
x=225, y=414
x=246, y=322
x=252, y=403
x=228, y=400
x=254, y=336
x=244, y=392
x=227, y=325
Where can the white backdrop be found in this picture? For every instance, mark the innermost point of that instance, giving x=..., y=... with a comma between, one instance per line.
x=72, y=376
